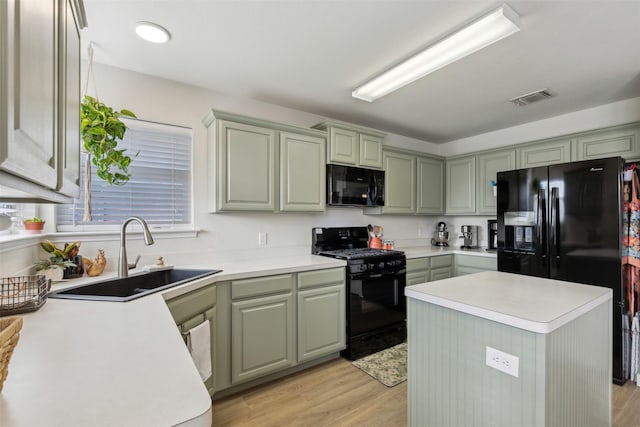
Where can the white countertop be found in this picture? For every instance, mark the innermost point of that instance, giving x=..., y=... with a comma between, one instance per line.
x=99, y=363
x=530, y=303
x=427, y=251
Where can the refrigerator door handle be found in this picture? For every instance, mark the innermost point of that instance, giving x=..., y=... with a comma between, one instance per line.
x=541, y=222
x=555, y=218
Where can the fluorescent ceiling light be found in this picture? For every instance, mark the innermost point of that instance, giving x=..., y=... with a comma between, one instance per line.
x=151, y=32
x=487, y=30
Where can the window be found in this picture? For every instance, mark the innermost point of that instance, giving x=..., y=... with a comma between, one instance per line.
x=17, y=213
x=159, y=189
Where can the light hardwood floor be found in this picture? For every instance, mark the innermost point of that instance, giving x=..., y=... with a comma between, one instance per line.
x=339, y=394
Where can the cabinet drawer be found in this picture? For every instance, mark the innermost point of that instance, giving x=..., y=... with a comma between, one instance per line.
x=417, y=264
x=441, y=261
x=183, y=307
x=476, y=262
x=261, y=286
x=308, y=279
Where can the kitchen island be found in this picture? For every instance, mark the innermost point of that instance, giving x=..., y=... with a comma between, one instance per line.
x=499, y=349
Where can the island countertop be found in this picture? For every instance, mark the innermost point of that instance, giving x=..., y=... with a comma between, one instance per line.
x=530, y=303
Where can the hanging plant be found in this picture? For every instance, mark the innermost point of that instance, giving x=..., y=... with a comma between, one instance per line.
x=101, y=130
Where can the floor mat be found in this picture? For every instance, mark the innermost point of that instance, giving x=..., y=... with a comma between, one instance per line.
x=388, y=366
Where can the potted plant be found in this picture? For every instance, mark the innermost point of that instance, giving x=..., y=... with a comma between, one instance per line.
x=101, y=130
x=34, y=224
x=66, y=259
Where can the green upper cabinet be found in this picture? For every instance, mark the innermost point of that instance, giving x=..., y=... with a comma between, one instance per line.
x=40, y=74
x=399, y=183
x=302, y=173
x=489, y=165
x=370, y=151
x=257, y=165
x=543, y=153
x=413, y=184
x=621, y=141
x=343, y=146
x=245, y=167
x=460, y=185
x=430, y=185
x=353, y=145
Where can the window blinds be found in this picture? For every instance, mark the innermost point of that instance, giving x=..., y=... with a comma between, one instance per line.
x=160, y=186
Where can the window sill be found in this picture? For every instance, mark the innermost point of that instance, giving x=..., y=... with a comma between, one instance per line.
x=10, y=242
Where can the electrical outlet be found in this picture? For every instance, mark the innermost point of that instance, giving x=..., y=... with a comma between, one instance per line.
x=422, y=231
x=262, y=238
x=505, y=362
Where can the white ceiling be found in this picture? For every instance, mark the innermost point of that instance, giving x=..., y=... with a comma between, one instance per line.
x=310, y=54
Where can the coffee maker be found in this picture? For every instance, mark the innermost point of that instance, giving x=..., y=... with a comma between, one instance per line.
x=470, y=236
x=492, y=240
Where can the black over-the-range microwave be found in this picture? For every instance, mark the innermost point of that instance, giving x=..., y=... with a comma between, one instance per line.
x=351, y=186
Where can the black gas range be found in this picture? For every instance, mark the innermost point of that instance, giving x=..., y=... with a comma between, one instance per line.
x=376, y=307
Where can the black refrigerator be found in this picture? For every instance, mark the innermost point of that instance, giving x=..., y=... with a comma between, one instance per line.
x=564, y=222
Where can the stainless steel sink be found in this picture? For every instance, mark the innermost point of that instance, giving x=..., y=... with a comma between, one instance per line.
x=132, y=287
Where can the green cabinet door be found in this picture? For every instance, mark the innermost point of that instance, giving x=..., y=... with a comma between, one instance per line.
x=543, y=153
x=321, y=321
x=400, y=183
x=191, y=310
x=370, y=151
x=430, y=186
x=343, y=146
x=418, y=270
x=623, y=141
x=461, y=185
x=440, y=273
x=246, y=167
x=489, y=165
x=69, y=120
x=262, y=336
x=321, y=313
x=302, y=173
x=469, y=264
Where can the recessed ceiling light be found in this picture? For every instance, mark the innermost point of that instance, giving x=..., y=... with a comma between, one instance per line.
x=151, y=32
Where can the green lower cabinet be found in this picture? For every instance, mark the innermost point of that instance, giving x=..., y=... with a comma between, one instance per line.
x=429, y=269
x=440, y=273
x=418, y=270
x=262, y=331
x=191, y=310
x=321, y=321
x=321, y=313
x=469, y=264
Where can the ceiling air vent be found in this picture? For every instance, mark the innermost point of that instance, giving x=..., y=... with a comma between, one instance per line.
x=528, y=98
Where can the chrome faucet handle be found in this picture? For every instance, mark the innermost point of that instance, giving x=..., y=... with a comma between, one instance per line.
x=135, y=263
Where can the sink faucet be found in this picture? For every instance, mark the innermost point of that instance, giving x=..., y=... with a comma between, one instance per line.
x=123, y=266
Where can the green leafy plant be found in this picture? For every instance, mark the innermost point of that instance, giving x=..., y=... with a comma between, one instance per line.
x=60, y=257
x=101, y=130
x=34, y=219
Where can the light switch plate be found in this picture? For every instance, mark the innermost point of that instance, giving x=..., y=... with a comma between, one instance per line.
x=505, y=362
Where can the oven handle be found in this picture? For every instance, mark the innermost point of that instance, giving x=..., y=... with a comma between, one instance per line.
x=377, y=275
x=395, y=293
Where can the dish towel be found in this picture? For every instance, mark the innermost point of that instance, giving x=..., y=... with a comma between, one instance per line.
x=199, y=343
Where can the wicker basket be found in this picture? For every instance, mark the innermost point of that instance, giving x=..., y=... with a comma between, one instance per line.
x=9, y=334
x=22, y=294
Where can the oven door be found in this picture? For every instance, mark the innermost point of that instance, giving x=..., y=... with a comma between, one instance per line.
x=376, y=301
